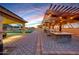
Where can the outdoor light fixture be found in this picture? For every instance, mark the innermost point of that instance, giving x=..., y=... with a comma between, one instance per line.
x=71, y=17
x=60, y=17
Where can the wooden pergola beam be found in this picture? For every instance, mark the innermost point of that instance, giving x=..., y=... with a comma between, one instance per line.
x=57, y=7
x=73, y=9
x=50, y=6
x=60, y=7
x=66, y=7
x=53, y=7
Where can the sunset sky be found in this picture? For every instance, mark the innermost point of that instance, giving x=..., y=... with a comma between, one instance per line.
x=31, y=12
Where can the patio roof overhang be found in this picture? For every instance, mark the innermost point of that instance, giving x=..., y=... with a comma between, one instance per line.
x=10, y=17
x=66, y=14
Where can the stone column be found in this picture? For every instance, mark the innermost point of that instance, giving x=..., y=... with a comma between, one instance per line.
x=1, y=36
x=23, y=28
x=20, y=26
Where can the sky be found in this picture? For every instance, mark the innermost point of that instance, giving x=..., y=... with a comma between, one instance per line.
x=31, y=12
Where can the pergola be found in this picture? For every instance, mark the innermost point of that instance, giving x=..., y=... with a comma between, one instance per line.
x=59, y=14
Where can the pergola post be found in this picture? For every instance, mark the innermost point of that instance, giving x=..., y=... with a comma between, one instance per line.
x=60, y=24
x=60, y=27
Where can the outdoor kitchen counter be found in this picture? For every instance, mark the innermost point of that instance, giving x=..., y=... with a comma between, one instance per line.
x=62, y=37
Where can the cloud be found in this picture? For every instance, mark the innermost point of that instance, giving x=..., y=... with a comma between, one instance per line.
x=33, y=13
x=34, y=23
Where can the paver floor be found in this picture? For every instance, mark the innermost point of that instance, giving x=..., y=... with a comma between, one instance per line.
x=38, y=43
